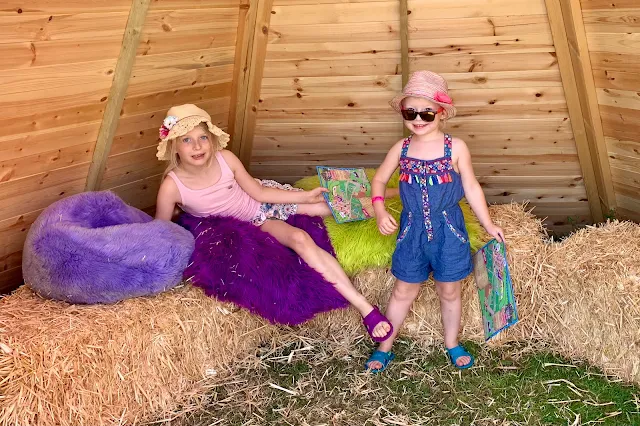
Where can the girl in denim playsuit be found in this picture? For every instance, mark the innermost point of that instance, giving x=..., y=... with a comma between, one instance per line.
x=435, y=174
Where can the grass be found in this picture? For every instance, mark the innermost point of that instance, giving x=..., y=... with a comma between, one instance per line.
x=308, y=382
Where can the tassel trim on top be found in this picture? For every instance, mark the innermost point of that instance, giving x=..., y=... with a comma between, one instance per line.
x=431, y=180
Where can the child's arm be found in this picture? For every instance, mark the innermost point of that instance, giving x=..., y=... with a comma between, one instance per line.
x=269, y=195
x=168, y=197
x=386, y=223
x=473, y=190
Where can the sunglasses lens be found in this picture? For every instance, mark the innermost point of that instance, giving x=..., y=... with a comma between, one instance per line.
x=409, y=114
x=428, y=116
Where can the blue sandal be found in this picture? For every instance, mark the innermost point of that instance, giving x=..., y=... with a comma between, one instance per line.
x=457, y=352
x=383, y=358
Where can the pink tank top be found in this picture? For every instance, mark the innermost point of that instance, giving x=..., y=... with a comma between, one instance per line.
x=224, y=198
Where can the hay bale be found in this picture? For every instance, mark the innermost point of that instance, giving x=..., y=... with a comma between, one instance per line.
x=137, y=360
x=147, y=358
x=580, y=295
x=525, y=248
x=526, y=244
x=595, y=289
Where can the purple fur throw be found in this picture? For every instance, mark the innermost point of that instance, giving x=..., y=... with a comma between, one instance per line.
x=237, y=262
x=94, y=248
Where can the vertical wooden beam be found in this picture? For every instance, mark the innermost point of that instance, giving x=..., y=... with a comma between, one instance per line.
x=126, y=59
x=581, y=61
x=248, y=75
x=244, y=42
x=404, y=47
x=594, y=171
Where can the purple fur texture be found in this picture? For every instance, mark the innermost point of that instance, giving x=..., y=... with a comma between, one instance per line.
x=94, y=248
x=237, y=262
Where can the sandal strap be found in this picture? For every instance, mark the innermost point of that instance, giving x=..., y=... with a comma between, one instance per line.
x=374, y=318
x=457, y=352
x=383, y=358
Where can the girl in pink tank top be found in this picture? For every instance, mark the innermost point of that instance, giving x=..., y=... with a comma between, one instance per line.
x=204, y=179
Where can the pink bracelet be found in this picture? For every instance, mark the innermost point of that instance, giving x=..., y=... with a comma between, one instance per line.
x=377, y=198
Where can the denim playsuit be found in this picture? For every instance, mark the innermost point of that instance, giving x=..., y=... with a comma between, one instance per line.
x=432, y=236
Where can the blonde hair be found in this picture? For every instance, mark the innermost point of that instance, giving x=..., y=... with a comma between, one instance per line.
x=174, y=158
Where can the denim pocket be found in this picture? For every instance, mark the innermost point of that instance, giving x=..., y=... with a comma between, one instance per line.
x=405, y=231
x=452, y=228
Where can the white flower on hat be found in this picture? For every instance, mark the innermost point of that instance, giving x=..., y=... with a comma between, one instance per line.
x=170, y=121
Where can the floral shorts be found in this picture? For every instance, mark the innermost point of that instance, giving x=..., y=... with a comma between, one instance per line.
x=275, y=211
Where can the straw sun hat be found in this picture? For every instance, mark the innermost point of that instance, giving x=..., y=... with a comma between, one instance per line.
x=179, y=121
x=428, y=85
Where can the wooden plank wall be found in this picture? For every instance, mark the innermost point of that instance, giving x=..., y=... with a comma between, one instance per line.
x=613, y=35
x=55, y=76
x=186, y=55
x=57, y=68
x=332, y=66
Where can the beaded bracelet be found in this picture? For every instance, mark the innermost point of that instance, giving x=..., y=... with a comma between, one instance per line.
x=377, y=198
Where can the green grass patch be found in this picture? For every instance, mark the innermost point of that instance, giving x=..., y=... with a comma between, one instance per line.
x=316, y=383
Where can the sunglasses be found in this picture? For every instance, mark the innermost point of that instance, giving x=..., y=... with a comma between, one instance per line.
x=428, y=115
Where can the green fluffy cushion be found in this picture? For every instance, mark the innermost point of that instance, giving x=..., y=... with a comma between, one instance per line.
x=359, y=245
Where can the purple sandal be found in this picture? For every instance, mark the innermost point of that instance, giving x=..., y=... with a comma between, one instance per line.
x=374, y=318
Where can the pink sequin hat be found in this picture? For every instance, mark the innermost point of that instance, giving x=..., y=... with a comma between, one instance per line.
x=428, y=85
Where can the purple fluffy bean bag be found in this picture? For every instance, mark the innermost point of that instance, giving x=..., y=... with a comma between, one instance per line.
x=237, y=262
x=94, y=248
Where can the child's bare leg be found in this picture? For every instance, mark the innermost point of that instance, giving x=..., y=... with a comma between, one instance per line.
x=300, y=242
x=451, y=311
x=316, y=209
x=400, y=303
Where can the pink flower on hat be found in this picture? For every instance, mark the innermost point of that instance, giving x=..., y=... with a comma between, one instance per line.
x=442, y=98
